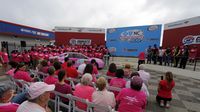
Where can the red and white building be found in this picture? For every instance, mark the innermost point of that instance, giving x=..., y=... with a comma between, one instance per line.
x=79, y=36
x=183, y=32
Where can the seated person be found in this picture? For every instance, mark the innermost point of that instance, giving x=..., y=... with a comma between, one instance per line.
x=62, y=87
x=22, y=74
x=38, y=97
x=84, y=90
x=102, y=96
x=6, y=94
x=127, y=70
x=118, y=81
x=13, y=68
x=51, y=79
x=89, y=69
x=111, y=70
x=70, y=70
x=44, y=66
x=144, y=87
x=57, y=67
x=132, y=99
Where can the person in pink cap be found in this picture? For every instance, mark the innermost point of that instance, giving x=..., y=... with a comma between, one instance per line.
x=38, y=97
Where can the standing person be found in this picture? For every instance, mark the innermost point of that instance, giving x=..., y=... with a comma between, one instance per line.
x=184, y=58
x=141, y=59
x=38, y=97
x=193, y=54
x=165, y=90
x=167, y=56
x=26, y=58
x=149, y=55
x=102, y=96
x=176, y=56
x=155, y=54
x=4, y=58
x=132, y=99
x=160, y=55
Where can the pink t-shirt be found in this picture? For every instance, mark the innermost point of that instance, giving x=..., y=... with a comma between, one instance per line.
x=95, y=70
x=8, y=107
x=23, y=75
x=5, y=57
x=84, y=92
x=50, y=80
x=11, y=72
x=131, y=100
x=27, y=57
x=14, y=56
x=118, y=82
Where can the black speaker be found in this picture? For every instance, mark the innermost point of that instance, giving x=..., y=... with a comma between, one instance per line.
x=23, y=43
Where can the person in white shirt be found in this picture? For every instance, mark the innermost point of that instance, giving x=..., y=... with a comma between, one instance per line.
x=144, y=75
x=38, y=96
x=102, y=96
x=81, y=67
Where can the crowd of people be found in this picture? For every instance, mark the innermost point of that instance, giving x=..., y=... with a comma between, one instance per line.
x=175, y=56
x=133, y=85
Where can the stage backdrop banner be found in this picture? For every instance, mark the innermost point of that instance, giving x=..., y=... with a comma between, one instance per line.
x=130, y=41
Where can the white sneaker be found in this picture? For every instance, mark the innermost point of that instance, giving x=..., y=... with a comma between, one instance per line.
x=167, y=105
x=162, y=103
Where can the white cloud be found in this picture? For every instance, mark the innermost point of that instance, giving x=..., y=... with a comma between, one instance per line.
x=46, y=14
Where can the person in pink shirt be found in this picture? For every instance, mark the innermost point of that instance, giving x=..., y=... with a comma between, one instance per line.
x=95, y=67
x=44, y=66
x=51, y=78
x=6, y=94
x=35, y=58
x=89, y=69
x=111, y=70
x=40, y=55
x=13, y=68
x=4, y=58
x=14, y=55
x=83, y=90
x=20, y=73
x=46, y=55
x=19, y=57
x=26, y=57
x=118, y=81
x=132, y=99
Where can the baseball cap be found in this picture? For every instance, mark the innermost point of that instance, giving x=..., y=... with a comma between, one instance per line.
x=38, y=88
